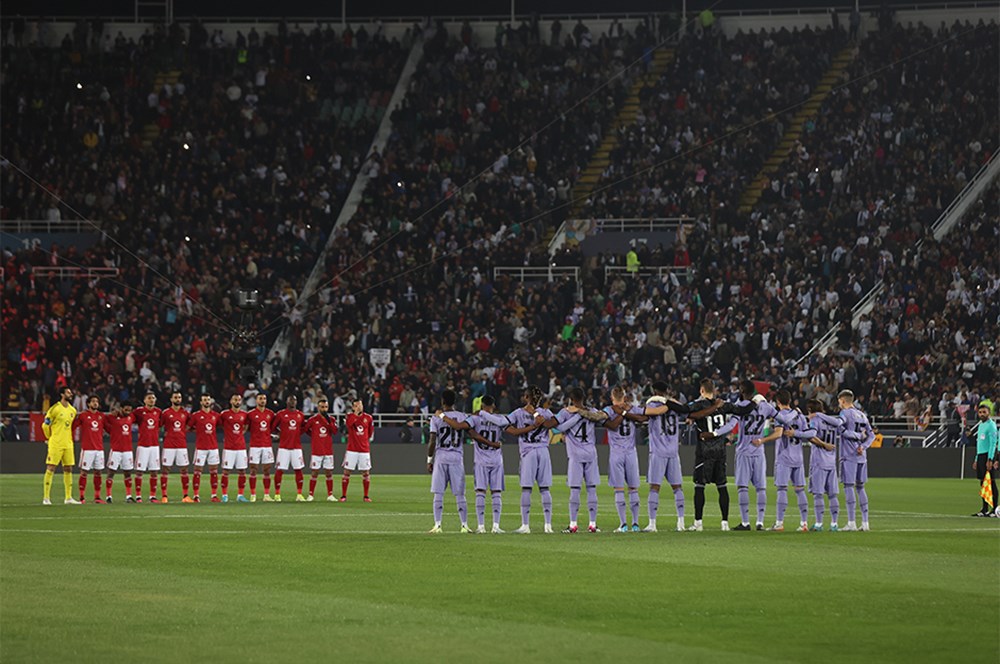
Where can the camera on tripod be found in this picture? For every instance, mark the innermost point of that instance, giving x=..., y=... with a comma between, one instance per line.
x=244, y=354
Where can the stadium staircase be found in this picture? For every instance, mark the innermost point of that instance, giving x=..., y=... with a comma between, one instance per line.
x=809, y=110
x=602, y=156
x=151, y=130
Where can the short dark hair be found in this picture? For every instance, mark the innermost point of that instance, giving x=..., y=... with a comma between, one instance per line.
x=487, y=401
x=707, y=385
x=176, y=392
x=747, y=389
x=814, y=406
x=322, y=399
x=448, y=397
x=784, y=397
x=576, y=394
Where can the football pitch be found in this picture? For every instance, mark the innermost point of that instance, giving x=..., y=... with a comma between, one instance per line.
x=363, y=582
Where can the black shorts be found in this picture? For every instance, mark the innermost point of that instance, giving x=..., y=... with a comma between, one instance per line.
x=710, y=470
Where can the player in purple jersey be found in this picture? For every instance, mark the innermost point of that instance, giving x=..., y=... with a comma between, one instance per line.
x=535, y=463
x=579, y=426
x=623, y=464
x=790, y=429
x=856, y=437
x=823, y=463
x=445, y=462
x=487, y=430
x=750, y=460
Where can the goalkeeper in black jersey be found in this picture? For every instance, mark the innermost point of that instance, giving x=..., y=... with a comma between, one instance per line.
x=710, y=453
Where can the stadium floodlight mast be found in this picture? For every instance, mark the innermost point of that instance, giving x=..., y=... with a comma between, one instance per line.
x=244, y=355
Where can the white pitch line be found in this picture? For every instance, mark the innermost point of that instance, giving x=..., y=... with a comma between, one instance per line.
x=67, y=516
x=993, y=531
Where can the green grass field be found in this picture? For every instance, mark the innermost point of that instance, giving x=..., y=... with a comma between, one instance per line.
x=357, y=582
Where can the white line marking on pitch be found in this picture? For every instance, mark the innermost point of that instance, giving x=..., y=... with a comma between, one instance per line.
x=67, y=516
x=70, y=531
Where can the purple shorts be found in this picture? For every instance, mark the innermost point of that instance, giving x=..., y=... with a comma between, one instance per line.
x=446, y=474
x=789, y=475
x=489, y=478
x=623, y=470
x=853, y=473
x=823, y=481
x=664, y=467
x=750, y=471
x=536, y=468
x=583, y=473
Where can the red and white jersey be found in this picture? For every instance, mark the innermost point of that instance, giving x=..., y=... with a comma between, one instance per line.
x=175, y=426
x=359, y=432
x=259, y=422
x=234, y=429
x=148, y=420
x=206, y=426
x=91, y=426
x=292, y=425
x=321, y=429
x=120, y=431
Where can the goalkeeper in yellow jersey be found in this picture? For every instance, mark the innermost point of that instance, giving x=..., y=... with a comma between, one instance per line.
x=58, y=430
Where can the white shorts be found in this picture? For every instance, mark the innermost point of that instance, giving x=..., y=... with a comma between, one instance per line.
x=358, y=460
x=323, y=461
x=292, y=458
x=147, y=458
x=234, y=459
x=201, y=457
x=121, y=460
x=176, y=457
x=92, y=460
x=261, y=455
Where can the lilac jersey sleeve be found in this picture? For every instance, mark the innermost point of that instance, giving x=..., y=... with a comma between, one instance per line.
x=502, y=421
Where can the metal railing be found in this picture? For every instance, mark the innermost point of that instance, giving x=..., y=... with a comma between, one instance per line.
x=542, y=273
x=843, y=7
x=591, y=226
x=682, y=273
x=46, y=272
x=630, y=224
x=46, y=226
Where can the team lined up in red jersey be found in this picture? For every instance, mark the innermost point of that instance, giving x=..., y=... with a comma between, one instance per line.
x=288, y=425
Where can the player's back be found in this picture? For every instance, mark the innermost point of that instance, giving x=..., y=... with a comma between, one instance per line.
x=665, y=431
x=532, y=440
x=788, y=450
x=484, y=454
x=622, y=438
x=828, y=430
x=715, y=446
x=448, y=445
x=580, y=435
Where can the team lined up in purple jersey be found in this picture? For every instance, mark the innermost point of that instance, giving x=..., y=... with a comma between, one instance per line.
x=847, y=435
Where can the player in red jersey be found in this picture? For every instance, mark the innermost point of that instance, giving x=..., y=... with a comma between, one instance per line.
x=205, y=423
x=174, y=421
x=260, y=420
x=360, y=429
x=291, y=422
x=119, y=427
x=234, y=447
x=147, y=453
x=91, y=426
x=321, y=429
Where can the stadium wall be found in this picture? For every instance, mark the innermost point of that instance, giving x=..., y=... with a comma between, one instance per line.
x=403, y=458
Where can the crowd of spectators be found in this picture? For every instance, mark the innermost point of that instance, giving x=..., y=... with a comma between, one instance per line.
x=228, y=193
x=412, y=270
